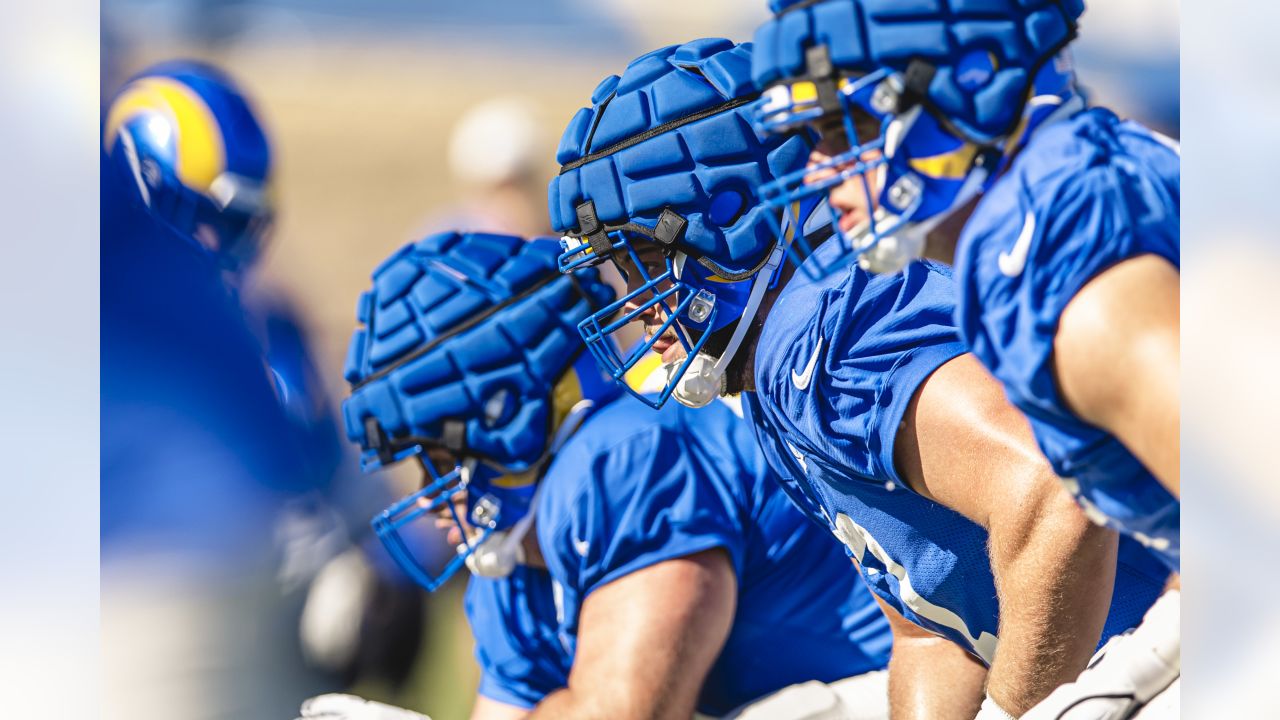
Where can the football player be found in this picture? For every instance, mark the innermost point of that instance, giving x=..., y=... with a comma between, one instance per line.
x=196, y=156
x=858, y=385
x=625, y=563
x=959, y=130
x=184, y=145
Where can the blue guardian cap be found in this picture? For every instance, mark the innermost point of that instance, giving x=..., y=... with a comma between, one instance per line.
x=469, y=360
x=921, y=103
x=660, y=175
x=186, y=140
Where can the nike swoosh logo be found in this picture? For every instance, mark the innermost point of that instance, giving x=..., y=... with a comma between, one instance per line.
x=798, y=456
x=801, y=381
x=1012, y=262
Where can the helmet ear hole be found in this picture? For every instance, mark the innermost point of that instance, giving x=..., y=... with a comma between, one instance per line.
x=726, y=205
x=500, y=407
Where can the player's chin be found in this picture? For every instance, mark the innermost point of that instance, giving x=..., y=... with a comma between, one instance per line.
x=674, y=354
x=668, y=346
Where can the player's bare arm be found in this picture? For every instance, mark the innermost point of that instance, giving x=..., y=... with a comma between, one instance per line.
x=647, y=640
x=1116, y=354
x=489, y=709
x=930, y=677
x=965, y=446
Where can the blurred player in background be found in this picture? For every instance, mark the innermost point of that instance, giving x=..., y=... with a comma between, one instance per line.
x=967, y=137
x=186, y=147
x=361, y=617
x=197, y=460
x=858, y=385
x=195, y=156
x=625, y=563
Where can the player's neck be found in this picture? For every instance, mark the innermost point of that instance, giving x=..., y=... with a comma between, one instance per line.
x=941, y=242
x=532, y=550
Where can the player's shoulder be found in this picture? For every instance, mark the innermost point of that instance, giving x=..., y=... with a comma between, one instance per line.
x=1090, y=138
x=1088, y=158
x=630, y=442
x=626, y=421
x=1078, y=181
x=846, y=314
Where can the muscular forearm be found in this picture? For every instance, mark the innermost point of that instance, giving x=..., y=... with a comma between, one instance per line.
x=1054, y=579
x=933, y=679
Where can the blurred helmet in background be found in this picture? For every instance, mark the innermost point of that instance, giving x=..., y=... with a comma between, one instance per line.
x=496, y=142
x=192, y=151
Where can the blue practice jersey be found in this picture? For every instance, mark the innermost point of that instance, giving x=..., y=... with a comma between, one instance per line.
x=635, y=487
x=838, y=362
x=517, y=636
x=1086, y=193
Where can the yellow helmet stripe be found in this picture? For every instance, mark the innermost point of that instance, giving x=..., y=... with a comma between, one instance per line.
x=804, y=91
x=566, y=394
x=201, y=153
x=953, y=165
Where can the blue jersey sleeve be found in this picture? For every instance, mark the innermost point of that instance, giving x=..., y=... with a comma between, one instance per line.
x=654, y=496
x=852, y=356
x=513, y=621
x=1086, y=194
x=1089, y=194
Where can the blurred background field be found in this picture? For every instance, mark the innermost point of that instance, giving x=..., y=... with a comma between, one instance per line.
x=360, y=100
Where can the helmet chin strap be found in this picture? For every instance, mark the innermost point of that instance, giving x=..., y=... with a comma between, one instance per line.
x=704, y=380
x=499, y=554
x=892, y=252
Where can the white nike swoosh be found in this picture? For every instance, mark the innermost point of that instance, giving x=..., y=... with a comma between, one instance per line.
x=802, y=381
x=1012, y=262
x=798, y=456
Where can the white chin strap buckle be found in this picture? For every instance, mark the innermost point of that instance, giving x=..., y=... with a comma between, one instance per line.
x=496, y=557
x=700, y=384
x=892, y=252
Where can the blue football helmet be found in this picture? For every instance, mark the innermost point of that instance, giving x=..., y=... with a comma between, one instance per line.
x=184, y=137
x=469, y=360
x=921, y=104
x=665, y=163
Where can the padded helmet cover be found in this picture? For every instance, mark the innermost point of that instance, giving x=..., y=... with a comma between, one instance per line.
x=674, y=132
x=985, y=52
x=471, y=331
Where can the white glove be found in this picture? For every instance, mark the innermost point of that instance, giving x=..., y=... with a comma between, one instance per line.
x=990, y=710
x=1126, y=673
x=336, y=706
x=861, y=697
